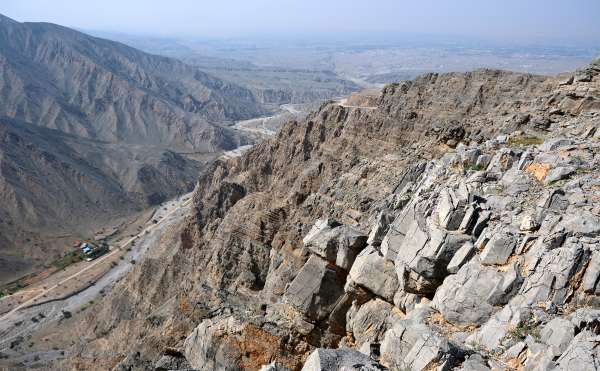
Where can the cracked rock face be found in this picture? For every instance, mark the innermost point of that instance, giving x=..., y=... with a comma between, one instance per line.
x=363, y=240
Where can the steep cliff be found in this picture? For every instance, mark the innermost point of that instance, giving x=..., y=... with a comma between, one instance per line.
x=447, y=227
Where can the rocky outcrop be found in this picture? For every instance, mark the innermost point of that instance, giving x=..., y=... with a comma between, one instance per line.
x=422, y=234
x=340, y=359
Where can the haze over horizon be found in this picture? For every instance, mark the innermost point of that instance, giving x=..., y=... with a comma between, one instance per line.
x=573, y=23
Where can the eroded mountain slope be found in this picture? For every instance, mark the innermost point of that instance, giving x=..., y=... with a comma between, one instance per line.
x=93, y=130
x=408, y=190
x=59, y=78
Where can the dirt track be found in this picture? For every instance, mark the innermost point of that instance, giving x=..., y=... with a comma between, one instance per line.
x=73, y=289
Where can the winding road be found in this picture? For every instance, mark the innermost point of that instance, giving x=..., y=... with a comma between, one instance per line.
x=31, y=315
x=342, y=103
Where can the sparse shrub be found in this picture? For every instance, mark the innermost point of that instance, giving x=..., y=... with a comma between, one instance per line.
x=528, y=327
x=476, y=167
x=524, y=141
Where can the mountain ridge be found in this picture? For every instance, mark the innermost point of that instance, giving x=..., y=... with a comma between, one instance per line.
x=348, y=174
x=94, y=130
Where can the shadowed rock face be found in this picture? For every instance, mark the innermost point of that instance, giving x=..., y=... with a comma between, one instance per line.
x=92, y=130
x=437, y=158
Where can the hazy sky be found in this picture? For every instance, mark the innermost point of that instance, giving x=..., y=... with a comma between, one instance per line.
x=567, y=21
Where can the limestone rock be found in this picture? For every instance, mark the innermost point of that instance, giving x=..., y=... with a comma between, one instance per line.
x=340, y=359
x=398, y=230
x=528, y=224
x=316, y=290
x=582, y=223
x=461, y=257
x=592, y=274
x=203, y=348
x=451, y=209
x=516, y=181
x=509, y=299
x=556, y=143
x=172, y=362
x=373, y=272
x=424, y=255
x=338, y=245
x=582, y=353
x=499, y=248
x=559, y=173
x=273, y=367
x=379, y=230
x=412, y=345
x=474, y=363
x=371, y=320
x=557, y=334
x=550, y=279
x=320, y=225
x=469, y=297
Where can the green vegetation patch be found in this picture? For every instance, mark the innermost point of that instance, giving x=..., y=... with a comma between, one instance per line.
x=526, y=328
x=12, y=287
x=476, y=167
x=67, y=260
x=525, y=141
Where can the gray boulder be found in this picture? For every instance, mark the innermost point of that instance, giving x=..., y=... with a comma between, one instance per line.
x=502, y=161
x=592, y=275
x=343, y=359
x=554, y=200
x=525, y=160
x=371, y=320
x=172, y=361
x=495, y=331
x=338, y=245
x=557, y=334
x=320, y=226
x=483, y=161
x=274, y=367
x=474, y=362
x=556, y=143
x=398, y=230
x=539, y=356
x=461, y=257
x=424, y=255
x=204, y=348
x=586, y=318
x=316, y=290
x=451, y=208
x=581, y=223
x=469, y=297
x=550, y=279
x=528, y=224
x=379, y=230
x=516, y=181
x=559, y=173
x=412, y=345
x=499, y=248
x=407, y=301
x=582, y=354
x=373, y=272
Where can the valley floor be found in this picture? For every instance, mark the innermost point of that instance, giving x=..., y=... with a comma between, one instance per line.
x=25, y=315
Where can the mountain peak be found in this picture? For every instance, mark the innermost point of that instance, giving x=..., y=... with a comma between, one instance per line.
x=5, y=19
